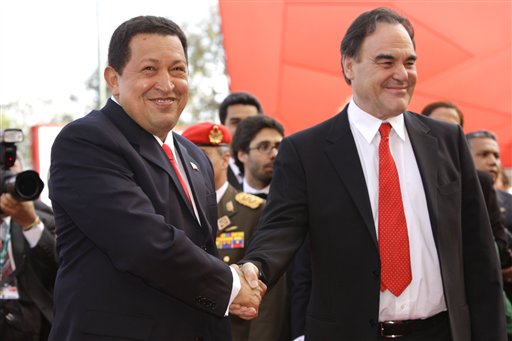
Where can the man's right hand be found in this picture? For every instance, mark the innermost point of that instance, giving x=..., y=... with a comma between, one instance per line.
x=247, y=302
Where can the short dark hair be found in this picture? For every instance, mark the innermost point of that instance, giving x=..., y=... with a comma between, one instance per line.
x=246, y=131
x=429, y=109
x=363, y=26
x=237, y=98
x=119, y=49
x=480, y=134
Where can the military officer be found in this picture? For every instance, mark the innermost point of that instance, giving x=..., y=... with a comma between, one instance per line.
x=238, y=212
x=238, y=215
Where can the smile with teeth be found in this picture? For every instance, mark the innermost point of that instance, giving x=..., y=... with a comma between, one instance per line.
x=164, y=100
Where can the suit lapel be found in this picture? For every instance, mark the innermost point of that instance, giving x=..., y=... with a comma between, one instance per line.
x=342, y=152
x=425, y=149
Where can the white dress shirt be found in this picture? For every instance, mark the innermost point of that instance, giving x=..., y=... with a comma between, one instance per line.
x=424, y=296
x=220, y=192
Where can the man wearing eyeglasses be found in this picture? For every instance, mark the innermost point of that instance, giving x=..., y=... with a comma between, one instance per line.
x=254, y=148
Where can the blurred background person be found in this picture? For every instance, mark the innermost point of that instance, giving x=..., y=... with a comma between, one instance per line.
x=236, y=107
x=28, y=262
x=255, y=146
x=486, y=153
x=504, y=191
x=238, y=215
x=503, y=181
x=444, y=111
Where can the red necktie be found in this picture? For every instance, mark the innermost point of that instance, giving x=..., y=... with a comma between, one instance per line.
x=395, y=273
x=170, y=155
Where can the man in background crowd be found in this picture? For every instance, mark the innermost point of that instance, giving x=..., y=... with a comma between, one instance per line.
x=486, y=153
x=28, y=264
x=236, y=107
x=444, y=111
x=254, y=147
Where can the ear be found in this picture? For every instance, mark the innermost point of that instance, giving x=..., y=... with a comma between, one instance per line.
x=112, y=79
x=225, y=159
x=242, y=156
x=348, y=67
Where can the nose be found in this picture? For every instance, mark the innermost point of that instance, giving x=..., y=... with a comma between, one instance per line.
x=164, y=82
x=492, y=160
x=400, y=73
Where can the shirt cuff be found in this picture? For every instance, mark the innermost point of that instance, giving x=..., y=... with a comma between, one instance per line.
x=34, y=234
x=235, y=288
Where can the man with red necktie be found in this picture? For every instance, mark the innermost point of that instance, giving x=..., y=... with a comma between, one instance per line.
x=401, y=245
x=135, y=207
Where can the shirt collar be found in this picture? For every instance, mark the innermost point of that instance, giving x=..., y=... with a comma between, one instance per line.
x=252, y=190
x=168, y=141
x=369, y=125
x=221, y=191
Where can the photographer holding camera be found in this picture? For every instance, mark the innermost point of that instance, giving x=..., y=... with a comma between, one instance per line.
x=28, y=259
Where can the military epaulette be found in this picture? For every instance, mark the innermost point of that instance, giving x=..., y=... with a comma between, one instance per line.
x=249, y=200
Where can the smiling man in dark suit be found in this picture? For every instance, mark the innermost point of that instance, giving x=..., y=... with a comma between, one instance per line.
x=135, y=207
x=400, y=239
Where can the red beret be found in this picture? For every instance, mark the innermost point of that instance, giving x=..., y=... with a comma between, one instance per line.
x=208, y=134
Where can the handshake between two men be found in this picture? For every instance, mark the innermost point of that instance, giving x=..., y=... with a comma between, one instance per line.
x=247, y=302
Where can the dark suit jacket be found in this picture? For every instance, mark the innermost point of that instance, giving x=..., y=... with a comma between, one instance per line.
x=36, y=269
x=134, y=261
x=319, y=188
x=505, y=203
x=495, y=218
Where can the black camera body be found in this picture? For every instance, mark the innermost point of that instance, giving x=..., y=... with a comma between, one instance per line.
x=24, y=186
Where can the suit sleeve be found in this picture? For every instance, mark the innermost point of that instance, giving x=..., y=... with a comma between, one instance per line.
x=99, y=202
x=283, y=225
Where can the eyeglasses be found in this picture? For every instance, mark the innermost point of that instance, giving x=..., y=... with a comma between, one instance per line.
x=266, y=147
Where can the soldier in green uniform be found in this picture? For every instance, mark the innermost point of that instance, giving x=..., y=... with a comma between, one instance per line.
x=238, y=214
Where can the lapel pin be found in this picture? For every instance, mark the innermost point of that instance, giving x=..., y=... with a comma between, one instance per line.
x=194, y=166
